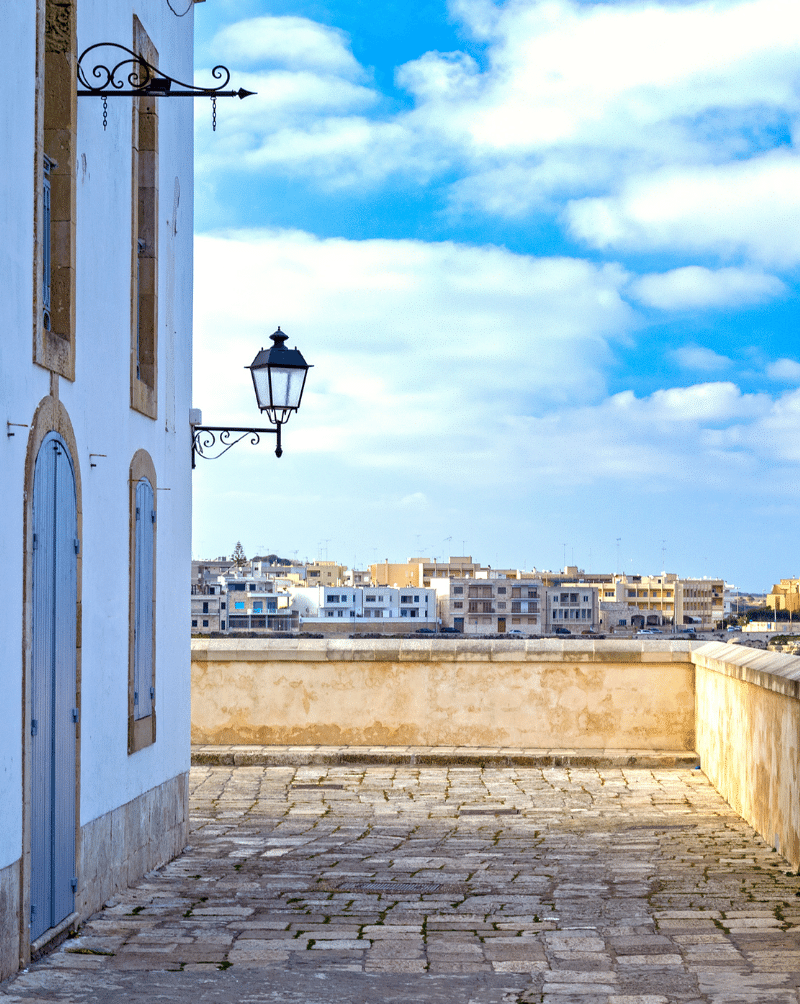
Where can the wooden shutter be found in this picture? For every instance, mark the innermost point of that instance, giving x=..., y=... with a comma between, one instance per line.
x=54, y=712
x=143, y=692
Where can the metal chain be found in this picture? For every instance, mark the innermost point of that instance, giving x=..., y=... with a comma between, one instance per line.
x=105, y=113
x=214, y=114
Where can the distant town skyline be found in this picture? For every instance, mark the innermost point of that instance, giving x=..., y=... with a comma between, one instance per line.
x=543, y=257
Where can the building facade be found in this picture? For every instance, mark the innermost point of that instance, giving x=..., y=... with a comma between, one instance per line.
x=785, y=595
x=95, y=493
x=240, y=601
x=571, y=608
x=490, y=605
x=360, y=606
x=663, y=601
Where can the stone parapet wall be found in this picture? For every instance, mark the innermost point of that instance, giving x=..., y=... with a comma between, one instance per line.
x=541, y=693
x=748, y=737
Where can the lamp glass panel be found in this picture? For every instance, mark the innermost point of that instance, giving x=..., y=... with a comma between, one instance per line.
x=287, y=386
x=261, y=381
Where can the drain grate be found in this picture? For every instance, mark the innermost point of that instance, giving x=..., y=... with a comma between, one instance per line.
x=488, y=812
x=660, y=826
x=318, y=787
x=419, y=888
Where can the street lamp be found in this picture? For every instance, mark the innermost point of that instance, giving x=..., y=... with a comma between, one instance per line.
x=279, y=377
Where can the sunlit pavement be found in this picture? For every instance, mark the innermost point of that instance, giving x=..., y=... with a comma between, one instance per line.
x=445, y=884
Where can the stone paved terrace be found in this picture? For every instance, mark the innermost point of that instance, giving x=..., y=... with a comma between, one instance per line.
x=354, y=884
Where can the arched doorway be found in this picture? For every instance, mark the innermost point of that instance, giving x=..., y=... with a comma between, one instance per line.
x=54, y=712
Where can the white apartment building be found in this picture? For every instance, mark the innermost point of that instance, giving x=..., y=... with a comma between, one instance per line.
x=359, y=603
x=357, y=577
x=241, y=603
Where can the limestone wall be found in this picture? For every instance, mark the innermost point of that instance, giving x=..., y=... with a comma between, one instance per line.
x=748, y=736
x=541, y=694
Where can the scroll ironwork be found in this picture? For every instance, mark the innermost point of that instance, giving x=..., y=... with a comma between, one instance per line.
x=127, y=74
x=208, y=438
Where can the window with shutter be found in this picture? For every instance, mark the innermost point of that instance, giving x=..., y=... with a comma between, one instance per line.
x=143, y=618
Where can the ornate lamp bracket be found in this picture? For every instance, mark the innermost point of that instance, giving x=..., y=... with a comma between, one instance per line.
x=207, y=438
x=128, y=74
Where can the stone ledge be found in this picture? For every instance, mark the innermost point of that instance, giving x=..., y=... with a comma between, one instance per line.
x=321, y=650
x=436, y=756
x=769, y=670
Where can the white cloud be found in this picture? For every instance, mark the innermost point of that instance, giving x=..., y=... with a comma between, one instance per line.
x=443, y=361
x=749, y=208
x=682, y=439
x=573, y=98
x=784, y=370
x=416, y=500
x=697, y=357
x=294, y=42
x=410, y=340
x=694, y=287
x=563, y=71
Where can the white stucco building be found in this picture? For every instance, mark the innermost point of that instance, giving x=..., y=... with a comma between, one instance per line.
x=95, y=501
x=327, y=606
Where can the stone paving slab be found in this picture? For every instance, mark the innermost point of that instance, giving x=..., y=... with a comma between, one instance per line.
x=436, y=756
x=362, y=884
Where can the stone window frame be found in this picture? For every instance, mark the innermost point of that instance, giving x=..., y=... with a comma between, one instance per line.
x=144, y=239
x=141, y=731
x=56, y=115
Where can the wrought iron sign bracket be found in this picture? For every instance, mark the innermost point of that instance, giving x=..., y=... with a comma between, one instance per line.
x=212, y=437
x=133, y=76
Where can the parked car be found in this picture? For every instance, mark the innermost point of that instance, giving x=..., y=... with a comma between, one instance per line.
x=562, y=630
x=516, y=633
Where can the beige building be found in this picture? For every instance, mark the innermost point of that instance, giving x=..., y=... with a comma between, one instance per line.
x=785, y=595
x=489, y=605
x=650, y=599
x=422, y=571
x=700, y=602
x=639, y=601
x=571, y=607
x=319, y=573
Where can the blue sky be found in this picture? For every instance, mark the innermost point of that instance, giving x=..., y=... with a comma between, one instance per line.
x=543, y=255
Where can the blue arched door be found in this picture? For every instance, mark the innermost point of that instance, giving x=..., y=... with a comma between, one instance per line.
x=54, y=712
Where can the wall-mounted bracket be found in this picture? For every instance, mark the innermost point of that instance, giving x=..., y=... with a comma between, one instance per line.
x=133, y=76
x=211, y=437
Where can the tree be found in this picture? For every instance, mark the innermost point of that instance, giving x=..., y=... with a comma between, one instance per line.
x=239, y=558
